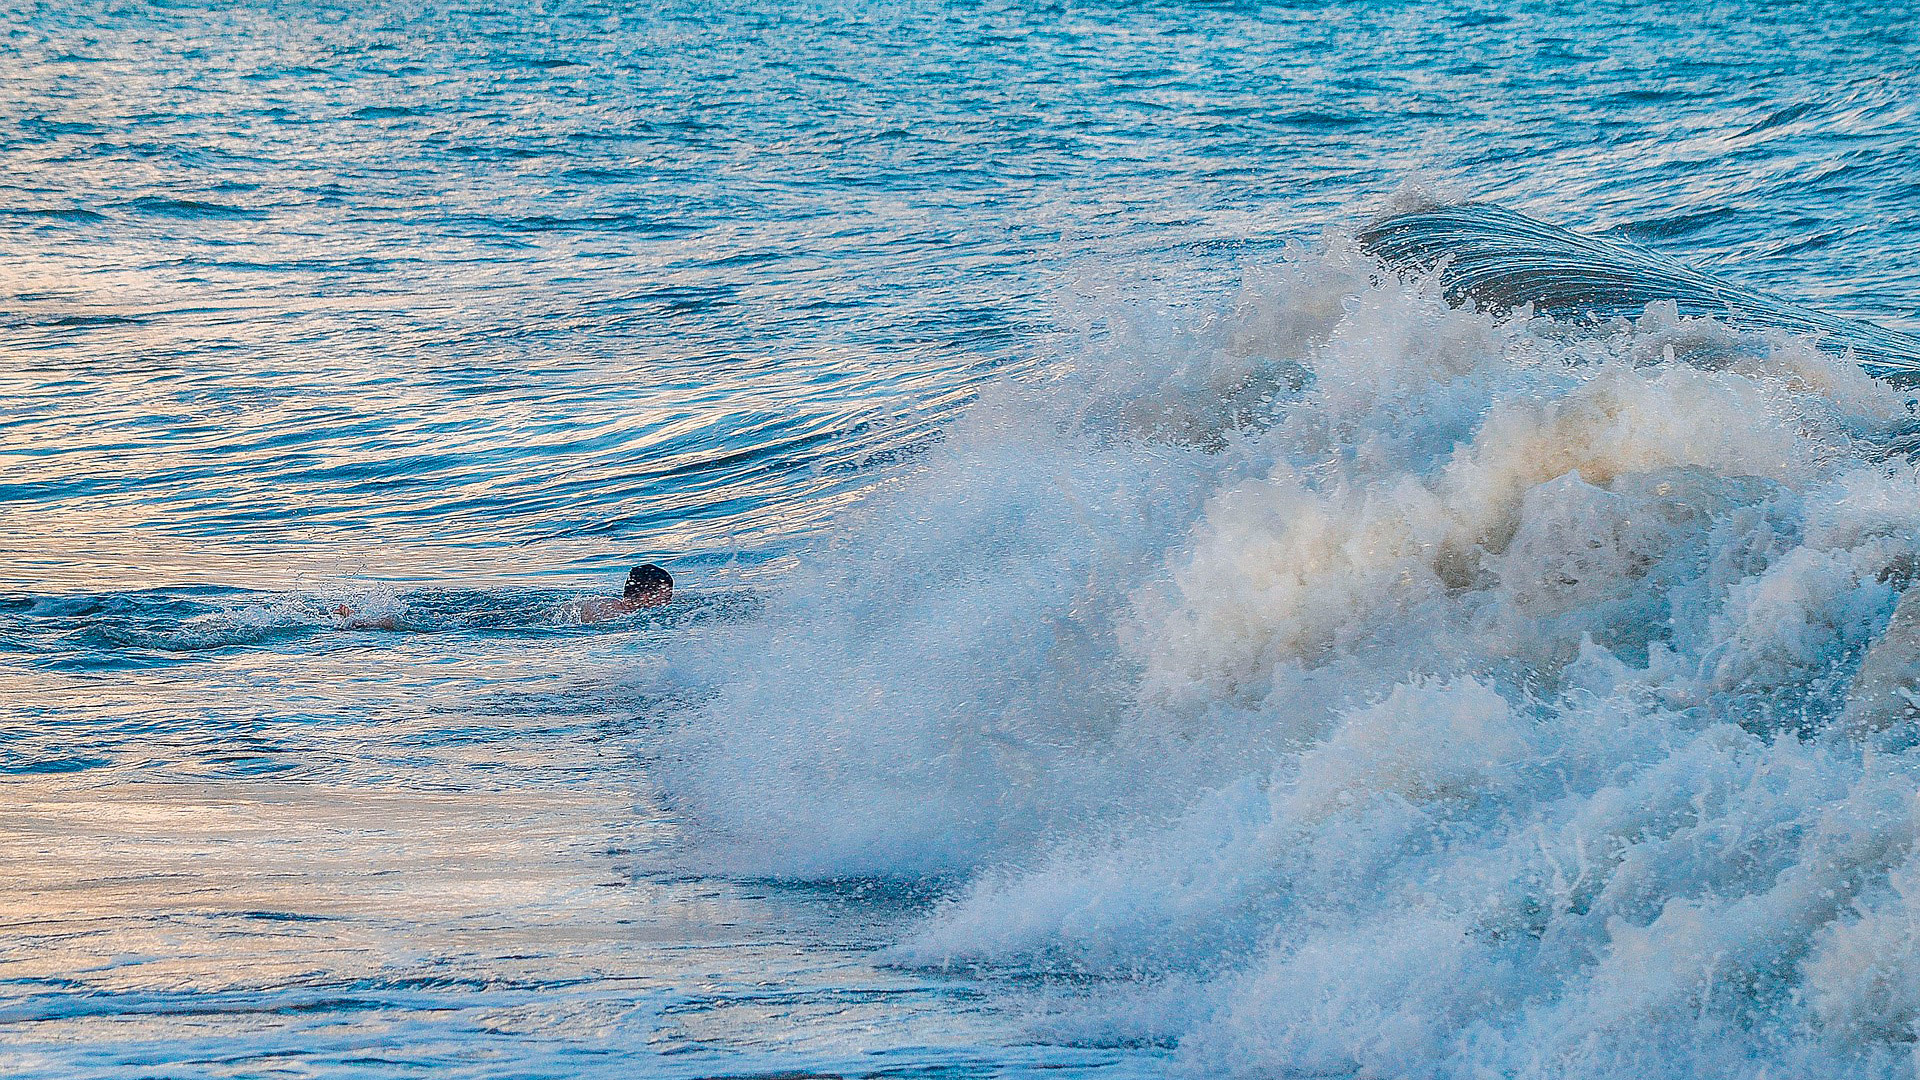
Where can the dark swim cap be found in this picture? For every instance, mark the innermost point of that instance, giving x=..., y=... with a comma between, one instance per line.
x=647, y=578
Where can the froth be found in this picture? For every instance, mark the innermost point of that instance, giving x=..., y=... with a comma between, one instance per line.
x=1365, y=686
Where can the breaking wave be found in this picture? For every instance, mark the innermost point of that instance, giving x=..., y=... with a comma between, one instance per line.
x=1497, y=257
x=1350, y=683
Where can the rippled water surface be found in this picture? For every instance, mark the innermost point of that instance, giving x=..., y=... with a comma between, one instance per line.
x=932, y=347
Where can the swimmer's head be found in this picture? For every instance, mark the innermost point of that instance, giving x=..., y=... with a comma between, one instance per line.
x=649, y=586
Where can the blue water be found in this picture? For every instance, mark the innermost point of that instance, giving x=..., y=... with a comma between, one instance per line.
x=906, y=336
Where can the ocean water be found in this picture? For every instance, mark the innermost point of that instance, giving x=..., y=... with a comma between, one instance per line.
x=1122, y=629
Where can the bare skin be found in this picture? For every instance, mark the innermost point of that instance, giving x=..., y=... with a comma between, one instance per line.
x=353, y=620
x=596, y=609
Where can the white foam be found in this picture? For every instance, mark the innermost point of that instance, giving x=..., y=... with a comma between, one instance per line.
x=1471, y=711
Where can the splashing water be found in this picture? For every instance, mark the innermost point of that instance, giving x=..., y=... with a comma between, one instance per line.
x=1378, y=688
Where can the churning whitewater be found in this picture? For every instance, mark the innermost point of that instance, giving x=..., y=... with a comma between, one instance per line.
x=1352, y=684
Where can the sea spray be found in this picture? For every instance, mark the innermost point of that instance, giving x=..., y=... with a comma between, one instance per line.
x=1354, y=684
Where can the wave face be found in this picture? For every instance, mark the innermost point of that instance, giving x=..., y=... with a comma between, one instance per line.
x=1355, y=684
x=1494, y=256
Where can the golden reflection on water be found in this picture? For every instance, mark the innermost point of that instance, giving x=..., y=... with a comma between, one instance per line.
x=383, y=919
x=415, y=849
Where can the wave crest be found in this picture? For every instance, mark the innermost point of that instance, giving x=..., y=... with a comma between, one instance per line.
x=1463, y=703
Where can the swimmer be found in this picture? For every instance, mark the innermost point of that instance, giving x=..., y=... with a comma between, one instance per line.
x=347, y=618
x=648, y=586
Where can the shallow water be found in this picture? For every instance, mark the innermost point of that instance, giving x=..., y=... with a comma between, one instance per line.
x=1110, y=641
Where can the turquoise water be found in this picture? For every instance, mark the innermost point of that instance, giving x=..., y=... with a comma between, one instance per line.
x=933, y=348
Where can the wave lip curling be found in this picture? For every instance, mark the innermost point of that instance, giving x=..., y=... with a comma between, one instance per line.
x=1504, y=259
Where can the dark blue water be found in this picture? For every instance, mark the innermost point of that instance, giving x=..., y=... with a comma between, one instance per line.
x=931, y=347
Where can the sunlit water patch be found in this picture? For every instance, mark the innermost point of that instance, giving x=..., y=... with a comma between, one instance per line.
x=215, y=866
